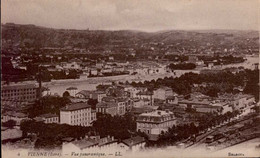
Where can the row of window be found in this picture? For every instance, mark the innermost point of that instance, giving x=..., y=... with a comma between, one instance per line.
x=15, y=94
x=76, y=116
x=22, y=97
x=80, y=120
x=49, y=120
x=19, y=90
x=80, y=111
x=162, y=119
x=166, y=124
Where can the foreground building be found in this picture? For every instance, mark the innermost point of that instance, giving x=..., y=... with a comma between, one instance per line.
x=155, y=122
x=77, y=114
x=134, y=144
x=89, y=143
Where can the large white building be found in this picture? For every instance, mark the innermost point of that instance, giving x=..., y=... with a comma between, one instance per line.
x=77, y=114
x=155, y=122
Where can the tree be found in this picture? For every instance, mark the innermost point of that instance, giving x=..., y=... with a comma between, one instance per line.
x=66, y=94
x=9, y=124
x=47, y=104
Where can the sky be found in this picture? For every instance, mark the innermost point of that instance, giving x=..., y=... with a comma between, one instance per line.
x=144, y=15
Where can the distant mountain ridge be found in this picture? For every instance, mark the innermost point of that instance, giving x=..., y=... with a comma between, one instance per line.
x=36, y=36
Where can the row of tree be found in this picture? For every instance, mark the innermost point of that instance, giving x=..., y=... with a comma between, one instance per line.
x=218, y=82
x=52, y=135
x=118, y=126
x=182, y=132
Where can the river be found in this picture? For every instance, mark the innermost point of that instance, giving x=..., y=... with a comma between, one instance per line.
x=60, y=86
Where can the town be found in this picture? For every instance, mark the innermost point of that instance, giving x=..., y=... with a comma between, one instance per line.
x=128, y=95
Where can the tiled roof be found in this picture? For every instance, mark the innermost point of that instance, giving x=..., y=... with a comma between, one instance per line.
x=145, y=93
x=133, y=141
x=106, y=104
x=85, y=93
x=99, y=92
x=85, y=143
x=171, y=97
x=18, y=86
x=122, y=99
x=195, y=101
x=106, y=140
x=108, y=99
x=75, y=106
x=157, y=116
x=72, y=88
x=49, y=115
x=15, y=114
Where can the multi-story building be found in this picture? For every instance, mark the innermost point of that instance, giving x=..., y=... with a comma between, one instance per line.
x=238, y=101
x=117, y=106
x=97, y=95
x=80, y=114
x=19, y=92
x=192, y=103
x=107, y=108
x=155, y=122
x=121, y=107
x=163, y=93
x=72, y=91
x=49, y=118
x=146, y=95
x=131, y=90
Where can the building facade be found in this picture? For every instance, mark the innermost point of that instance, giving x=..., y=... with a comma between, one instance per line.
x=155, y=122
x=49, y=118
x=22, y=92
x=79, y=114
x=163, y=93
x=107, y=108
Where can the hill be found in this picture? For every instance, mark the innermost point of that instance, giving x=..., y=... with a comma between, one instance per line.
x=15, y=35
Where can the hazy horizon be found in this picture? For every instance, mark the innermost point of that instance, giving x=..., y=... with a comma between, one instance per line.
x=156, y=31
x=134, y=15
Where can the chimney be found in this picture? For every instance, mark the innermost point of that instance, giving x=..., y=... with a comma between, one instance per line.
x=112, y=138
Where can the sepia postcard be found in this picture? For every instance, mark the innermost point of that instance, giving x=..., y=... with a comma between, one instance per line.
x=130, y=78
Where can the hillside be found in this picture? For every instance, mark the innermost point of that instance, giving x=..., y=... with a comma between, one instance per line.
x=14, y=35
